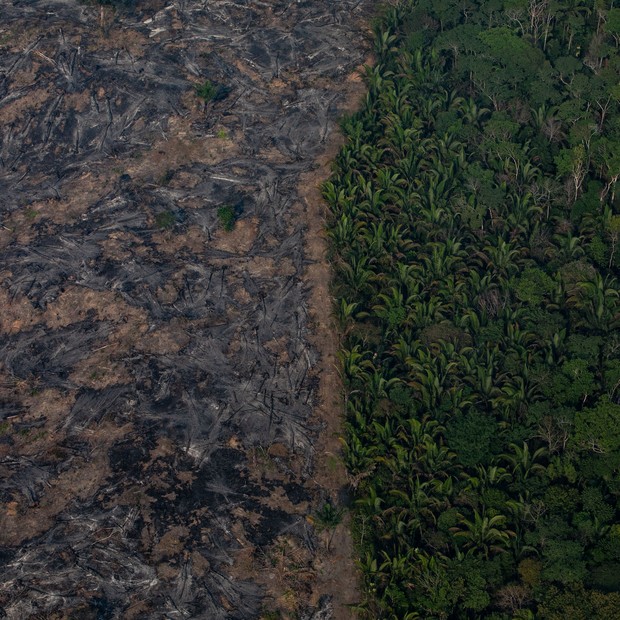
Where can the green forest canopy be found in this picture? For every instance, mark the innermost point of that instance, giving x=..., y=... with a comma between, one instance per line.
x=475, y=230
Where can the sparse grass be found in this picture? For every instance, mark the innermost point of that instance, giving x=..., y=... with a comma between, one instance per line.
x=333, y=463
x=30, y=213
x=226, y=216
x=165, y=220
x=4, y=428
x=261, y=459
x=221, y=134
x=30, y=435
x=290, y=567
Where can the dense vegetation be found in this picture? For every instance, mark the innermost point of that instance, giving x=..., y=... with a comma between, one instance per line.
x=475, y=235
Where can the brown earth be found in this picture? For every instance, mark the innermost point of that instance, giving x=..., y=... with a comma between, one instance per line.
x=335, y=574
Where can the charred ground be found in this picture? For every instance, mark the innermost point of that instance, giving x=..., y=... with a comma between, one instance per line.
x=159, y=376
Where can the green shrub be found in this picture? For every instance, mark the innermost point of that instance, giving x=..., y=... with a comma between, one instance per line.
x=227, y=217
x=165, y=220
x=471, y=436
x=327, y=516
x=206, y=91
x=533, y=286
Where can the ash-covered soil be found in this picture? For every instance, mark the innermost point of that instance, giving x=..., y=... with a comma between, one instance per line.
x=158, y=383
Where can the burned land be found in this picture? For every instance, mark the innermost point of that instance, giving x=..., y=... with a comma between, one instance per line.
x=164, y=382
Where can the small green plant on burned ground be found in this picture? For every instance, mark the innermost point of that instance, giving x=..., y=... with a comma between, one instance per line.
x=207, y=90
x=326, y=519
x=30, y=213
x=5, y=38
x=227, y=217
x=165, y=220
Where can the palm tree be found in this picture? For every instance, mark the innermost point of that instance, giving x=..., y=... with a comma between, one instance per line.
x=487, y=535
x=471, y=113
x=601, y=307
x=514, y=396
x=484, y=382
x=405, y=347
x=523, y=212
x=400, y=136
x=392, y=309
x=568, y=247
x=357, y=274
x=358, y=455
x=356, y=364
x=435, y=461
x=502, y=258
x=411, y=509
x=471, y=320
x=346, y=232
x=429, y=312
x=384, y=436
x=406, y=278
x=523, y=462
x=553, y=350
x=488, y=476
x=415, y=432
x=385, y=44
x=377, y=386
x=346, y=315
x=327, y=518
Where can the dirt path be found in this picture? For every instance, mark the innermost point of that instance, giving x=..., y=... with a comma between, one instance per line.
x=337, y=574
